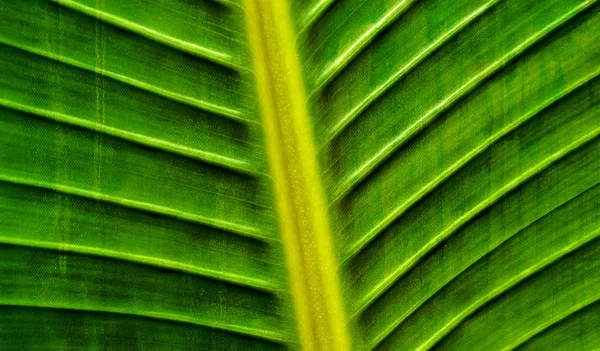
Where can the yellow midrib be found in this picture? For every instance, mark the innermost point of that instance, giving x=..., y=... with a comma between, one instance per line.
x=304, y=221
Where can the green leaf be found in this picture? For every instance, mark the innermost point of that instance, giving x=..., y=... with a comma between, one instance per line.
x=318, y=174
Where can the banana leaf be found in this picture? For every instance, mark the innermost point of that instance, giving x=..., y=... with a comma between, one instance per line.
x=311, y=174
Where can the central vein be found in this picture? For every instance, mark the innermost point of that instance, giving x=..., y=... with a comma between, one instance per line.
x=304, y=221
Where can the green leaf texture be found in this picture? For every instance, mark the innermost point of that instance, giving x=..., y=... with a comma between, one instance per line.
x=154, y=191
x=459, y=149
x=136, y=211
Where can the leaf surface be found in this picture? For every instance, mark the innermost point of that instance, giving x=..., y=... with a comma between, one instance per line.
x=311, y=174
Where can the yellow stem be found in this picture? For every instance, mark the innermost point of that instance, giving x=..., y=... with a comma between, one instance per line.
x=304, y=221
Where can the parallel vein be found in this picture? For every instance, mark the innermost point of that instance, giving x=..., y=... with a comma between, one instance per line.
x=248, y=282
x=381, y=155
x=190, y=101
x=231, y=164
x=401, y=319
x=389, y=280
x=356, y=247
x=228, y=226
x=379, y=91
x=217, y=57
x=510, y=284
x=269, y=335
x=345, y=58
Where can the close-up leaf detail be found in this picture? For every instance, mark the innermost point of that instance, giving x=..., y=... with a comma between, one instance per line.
x=300, y=175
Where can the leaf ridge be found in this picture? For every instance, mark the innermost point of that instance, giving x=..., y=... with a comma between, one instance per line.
x=461, y=163
x=206, y=106
x=227, y=163
x=227, y=277
x=217, y=57
x=268, y=335
x=234, y=228
x=380, y=288
x=381, y=155
x=374, y=95
x=581, y=306
x=314, y=13
x=334, y=68
x=400, y=320
x=516, y=280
